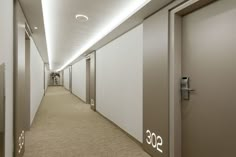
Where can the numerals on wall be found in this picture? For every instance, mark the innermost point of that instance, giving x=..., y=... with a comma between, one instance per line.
x=154, y=140
x=21, y=141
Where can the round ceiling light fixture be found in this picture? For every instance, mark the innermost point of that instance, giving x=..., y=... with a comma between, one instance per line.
x=35, y=28
x=81, y=18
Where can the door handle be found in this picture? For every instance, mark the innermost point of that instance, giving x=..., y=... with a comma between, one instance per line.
x=188, y=89
x=185, y=88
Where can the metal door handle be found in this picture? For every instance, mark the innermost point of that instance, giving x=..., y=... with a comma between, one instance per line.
x=185, y=88
x=188, y=89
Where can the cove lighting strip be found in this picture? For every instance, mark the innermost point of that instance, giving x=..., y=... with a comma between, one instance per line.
x=122, y=16
x=46, y=21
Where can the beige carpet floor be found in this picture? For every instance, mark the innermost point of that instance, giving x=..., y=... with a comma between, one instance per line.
x=66, y=127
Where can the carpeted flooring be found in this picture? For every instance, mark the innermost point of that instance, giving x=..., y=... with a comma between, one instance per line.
x=66, y=127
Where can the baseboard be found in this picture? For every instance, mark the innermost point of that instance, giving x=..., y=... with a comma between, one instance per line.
x=79, y=98
x=36, y=111
x=130, y=136
x=66, y=88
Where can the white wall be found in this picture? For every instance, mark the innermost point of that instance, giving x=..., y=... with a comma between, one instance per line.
x=36, y=80
x=6, y=55
x=79, y=79
x=67, y=78
x=119, y=82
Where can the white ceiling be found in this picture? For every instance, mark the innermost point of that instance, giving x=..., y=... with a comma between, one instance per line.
x=65, y=35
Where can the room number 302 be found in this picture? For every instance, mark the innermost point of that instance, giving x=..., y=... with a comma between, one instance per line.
x=154, y=140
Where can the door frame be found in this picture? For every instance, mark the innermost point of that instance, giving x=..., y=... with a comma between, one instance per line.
x=70, y=78
x=88, y=97
x=175, y=73
x=62, y=78
x=91, y=79
x=27, y=78
x=2, y=67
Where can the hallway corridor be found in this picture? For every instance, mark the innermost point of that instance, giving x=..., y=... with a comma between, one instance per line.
x=66, y=127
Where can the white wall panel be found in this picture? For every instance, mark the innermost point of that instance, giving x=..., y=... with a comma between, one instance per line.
x=6, y=56
x=36, y=80
x=66, y=78
x=79, y=79
x=119, y=82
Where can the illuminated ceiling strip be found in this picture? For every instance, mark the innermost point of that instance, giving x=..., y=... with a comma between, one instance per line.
x=47, y=31
x=119, y=19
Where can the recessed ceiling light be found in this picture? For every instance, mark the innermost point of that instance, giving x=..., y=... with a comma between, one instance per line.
x=81, y=18
x=35, y=28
